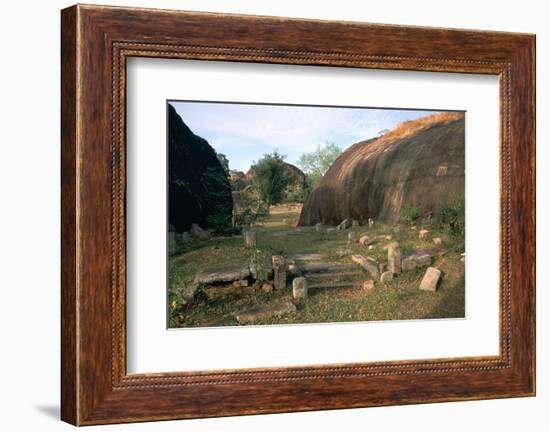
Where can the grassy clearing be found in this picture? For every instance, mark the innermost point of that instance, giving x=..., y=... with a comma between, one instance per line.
x=277, y=234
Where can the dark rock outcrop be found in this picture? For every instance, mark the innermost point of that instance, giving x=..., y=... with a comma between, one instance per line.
x=198, y=189
x=420, y=162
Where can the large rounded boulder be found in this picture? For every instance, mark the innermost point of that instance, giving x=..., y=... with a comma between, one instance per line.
x=420, y=163
x=199, y=191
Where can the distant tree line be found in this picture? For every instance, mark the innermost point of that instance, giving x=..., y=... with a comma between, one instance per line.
x=271, y=181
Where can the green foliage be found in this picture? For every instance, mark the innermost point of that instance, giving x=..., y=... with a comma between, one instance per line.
x=219, y=219
x=410, y=213
x=271, y=177
x=316, y=163
x=296, y=195
x=248, y=207
x=224, y=161
x=259, y=261
x=451, y=218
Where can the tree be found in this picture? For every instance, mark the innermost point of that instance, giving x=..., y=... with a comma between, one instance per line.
x=316, y=163
x=222, y=158
x=271, y=177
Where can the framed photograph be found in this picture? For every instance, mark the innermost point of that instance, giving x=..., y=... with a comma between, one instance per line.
x=264, y=215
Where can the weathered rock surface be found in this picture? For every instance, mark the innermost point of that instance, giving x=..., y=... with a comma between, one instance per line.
x=415, y=260
x=420, y=162
x=325, y=266
x=386, y=277
x=305, y=257
x=368, y=265
x=250, y=239
x=198, y=187
x=279, y=272
x=344, y=224
x=299, y=288
x=223, y=275
x=431, y=279
x=364, y=240
x=274, y=309
x=394, y=258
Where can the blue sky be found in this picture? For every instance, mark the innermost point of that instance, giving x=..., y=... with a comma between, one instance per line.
x=245, y=132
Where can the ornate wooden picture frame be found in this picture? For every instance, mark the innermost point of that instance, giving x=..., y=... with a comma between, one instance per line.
x=96, y=41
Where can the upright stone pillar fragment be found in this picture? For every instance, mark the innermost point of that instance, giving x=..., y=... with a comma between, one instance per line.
x=250, y=239
x=394, y=258
x=279, y=272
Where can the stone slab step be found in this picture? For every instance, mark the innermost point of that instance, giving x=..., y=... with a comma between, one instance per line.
x=334, y=275
x=305, y=257
x=335, y=285
x=223, y=274
x=326, y=267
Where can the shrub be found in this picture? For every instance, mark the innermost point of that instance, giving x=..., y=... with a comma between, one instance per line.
x=410, y=213
x=260, y=265
x=451, y=218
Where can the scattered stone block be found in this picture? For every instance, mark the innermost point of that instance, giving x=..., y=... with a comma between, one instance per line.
x=294, y=269
x=250, y=239
x=331, y=229
x=318, y=226
x=370, y=266
x=354, y=223
x=431, y=279
x=372, y=246
x=267, y=287
x=198, y=232
x=275, y=309
x=386, y=277
x=345, y=224
x=415, y=260
x=394, y=258
x=223, y=275
x=364, y=239
x=352, y=237
x=423, y=233
x=437, y=241
x=368, y=285
x=371, y=222
x=396, y=229
x=279, y=272
x=299, y=288
x=171, y=243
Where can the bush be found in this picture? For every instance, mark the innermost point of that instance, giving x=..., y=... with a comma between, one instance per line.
x=451, y=218
x=296, y=195
x=410, y=213
x=260, y=265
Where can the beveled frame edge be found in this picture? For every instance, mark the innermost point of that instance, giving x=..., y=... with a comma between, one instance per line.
x=96, y=41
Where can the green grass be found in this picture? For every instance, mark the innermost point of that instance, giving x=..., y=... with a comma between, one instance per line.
x=277, y=234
